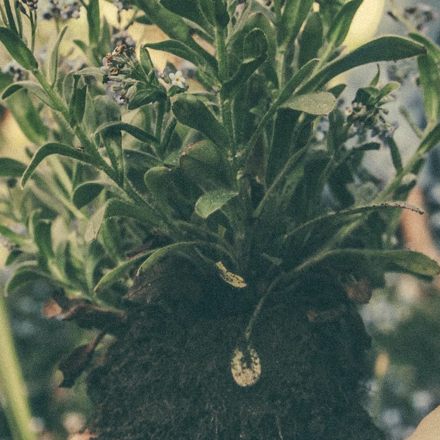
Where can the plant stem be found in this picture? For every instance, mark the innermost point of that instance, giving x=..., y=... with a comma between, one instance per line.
x=225, y=104
x=12, y=383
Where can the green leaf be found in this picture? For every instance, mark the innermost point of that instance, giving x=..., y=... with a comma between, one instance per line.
x=12, y=236
x=204, y=164
x=179, y=49
x=429, y=71
x=191, y=111
x=189, y=9
x=402, y=261
x=432, y=48
x=387, y=48
x=18, y=49
x=24, y=276
x=212, y=201
x=11, y=167
x=136, y=132
x=296, y=80
x=173, y=25
x=27, y=117
x=341, y=25
x=93, y=21
x=255, y=54
x=53, y=60
x=343, y=214
x=431, y=140
x=159, y=254
x=311, y=39
x=119, y=208
x=294, y=14
x=10, y=16
x=116, y=273
x=395, y=153
x=87, y=192
x=78, y=103
x=49, y=149
x=33, y=88
x=158, y=181
x=318, y=103
x=41, y=234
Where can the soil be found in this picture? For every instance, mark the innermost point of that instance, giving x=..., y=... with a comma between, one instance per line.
x=169, y=379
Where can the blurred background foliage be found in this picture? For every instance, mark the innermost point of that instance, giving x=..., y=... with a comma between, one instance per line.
x=404, y=319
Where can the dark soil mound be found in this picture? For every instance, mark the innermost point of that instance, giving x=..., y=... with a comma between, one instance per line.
x=167, y=380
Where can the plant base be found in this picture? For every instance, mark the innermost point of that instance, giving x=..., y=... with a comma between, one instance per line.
x=168, y=380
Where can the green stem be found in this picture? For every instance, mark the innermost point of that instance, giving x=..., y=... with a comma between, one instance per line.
x=12, y=383
x=223, y=70
x=88, y=146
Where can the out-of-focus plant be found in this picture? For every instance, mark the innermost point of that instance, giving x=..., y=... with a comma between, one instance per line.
x=12, y=386
x=130, y=167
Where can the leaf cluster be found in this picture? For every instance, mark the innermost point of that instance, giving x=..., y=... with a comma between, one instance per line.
x=259, y=172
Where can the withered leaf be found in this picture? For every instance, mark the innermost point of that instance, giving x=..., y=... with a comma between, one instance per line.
x=359, y=291
x=230, y=277
x=51, y=309
x=74, y=365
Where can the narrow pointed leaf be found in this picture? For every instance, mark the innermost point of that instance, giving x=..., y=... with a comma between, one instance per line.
x=116, y=273
x=53, y=61
x=30, y=86
x=15, y=46
x=179, y=49
x=402, y=261
x=294, y=14
x=212, y=201
x=93, y=19
x=136, y=132
x=11, y=167
x=387, y=48
x=159, y=254
x=191, y=111
x=189, y=9
x=338, y=215
x=119, y=208
x=24, y=277
x=86, y=193
x=341, y=25
x=50, y=149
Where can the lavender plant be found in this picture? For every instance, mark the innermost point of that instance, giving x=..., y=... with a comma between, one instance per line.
x=240, y=215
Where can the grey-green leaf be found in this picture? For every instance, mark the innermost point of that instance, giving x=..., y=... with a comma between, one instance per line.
x=341, y=25
x=86, y=193
x=93, y=20
x=119, y=208
x=136, y=132
x=48, y=150
x=387, y=48
x=158, y=254
x=318, y=103
x=11, y=167
x=30, y=86
x=53, y=61
x=116, y=273
x=402, y=261
x=18, y=50
x=179, y=49
x=191, y=111
x=212, y=201
x=294, y=14
x=189, y=9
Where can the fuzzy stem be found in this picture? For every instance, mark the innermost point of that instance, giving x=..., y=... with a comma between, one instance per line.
x=12, y=384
